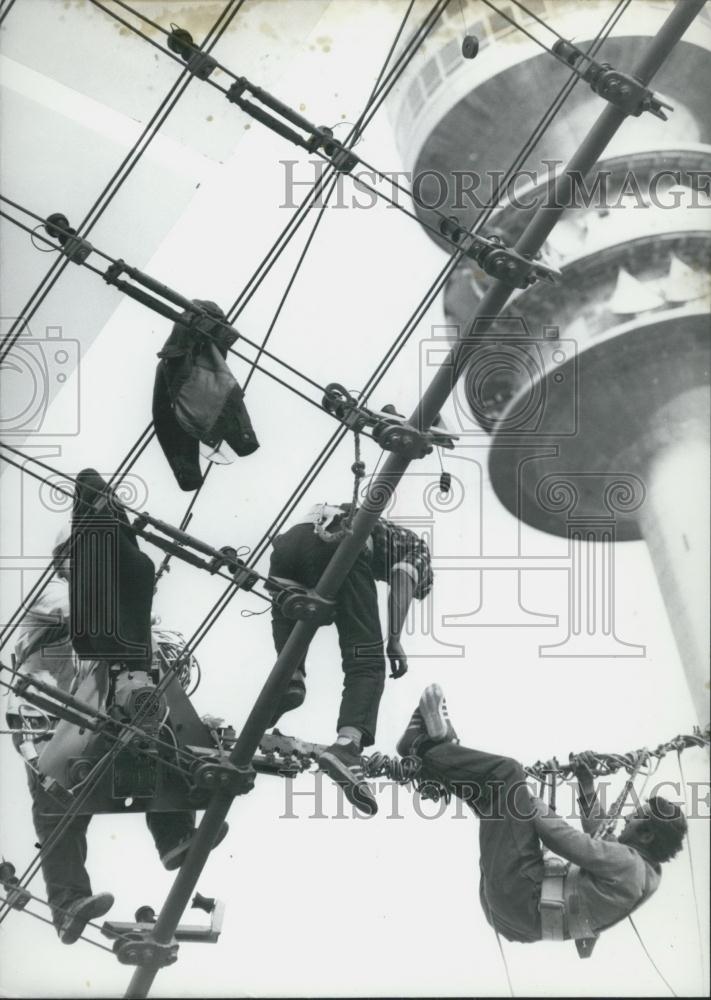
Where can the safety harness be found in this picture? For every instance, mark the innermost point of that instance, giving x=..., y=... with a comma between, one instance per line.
x=559, y=919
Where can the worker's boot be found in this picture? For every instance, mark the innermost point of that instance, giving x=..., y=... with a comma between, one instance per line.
x=343, y=764
x=78, y=914
x=413, y=736
x=433, y=708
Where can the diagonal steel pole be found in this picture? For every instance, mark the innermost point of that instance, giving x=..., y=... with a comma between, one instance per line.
x=383, y=486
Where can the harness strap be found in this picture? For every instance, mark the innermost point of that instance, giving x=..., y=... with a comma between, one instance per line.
x=552, y=901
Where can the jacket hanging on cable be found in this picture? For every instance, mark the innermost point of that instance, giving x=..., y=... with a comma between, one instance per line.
x=111, y=580
x=196, y=398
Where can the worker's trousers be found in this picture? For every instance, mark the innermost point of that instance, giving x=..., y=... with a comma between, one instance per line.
x=510, y=856
x=301, y=556
x=64, y=864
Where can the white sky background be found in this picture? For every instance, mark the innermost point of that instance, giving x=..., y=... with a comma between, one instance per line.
x=314, y=907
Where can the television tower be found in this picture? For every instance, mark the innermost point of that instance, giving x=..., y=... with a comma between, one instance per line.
x=598, y=409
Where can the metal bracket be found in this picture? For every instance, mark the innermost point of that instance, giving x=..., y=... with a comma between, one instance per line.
x=137, y=947
x=390, y=429
x=216, y=773
x=620, y=89
x=184, y=933
x=304, y=605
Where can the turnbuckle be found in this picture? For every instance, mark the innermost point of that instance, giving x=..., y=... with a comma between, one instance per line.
x=316, y=138
x=179, y=544
x=620, y=89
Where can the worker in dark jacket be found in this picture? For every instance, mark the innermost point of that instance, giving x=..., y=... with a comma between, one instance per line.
x=603, y=880
x=392, y=554
x=45, y=652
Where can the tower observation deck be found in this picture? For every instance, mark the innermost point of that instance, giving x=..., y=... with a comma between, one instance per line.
x=599, y=402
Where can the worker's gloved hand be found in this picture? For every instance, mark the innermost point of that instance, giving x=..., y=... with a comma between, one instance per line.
x=584, y=766
x=396, y=657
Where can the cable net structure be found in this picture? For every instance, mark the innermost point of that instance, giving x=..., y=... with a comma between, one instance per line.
x=225, y=767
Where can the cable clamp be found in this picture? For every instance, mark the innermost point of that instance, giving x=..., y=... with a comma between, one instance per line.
x=304, y=605
x=137, y=947
x=614, y=86
x=216, y=773
x=389, y=428
x=72, y=246
x=199, y=63
x=16, y=896
x=497, y=259
x=342, y=158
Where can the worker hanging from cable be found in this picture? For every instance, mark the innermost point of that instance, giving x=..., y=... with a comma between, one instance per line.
x=196, y=398
x=595, y=881
x=72, y=652
x=394, y=555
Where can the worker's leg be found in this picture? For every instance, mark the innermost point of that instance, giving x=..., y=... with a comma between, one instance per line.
x=511, y=860
x=361, y=641
x=64, y=864
x=169, y=829
x=173, y=834
x=286, y=564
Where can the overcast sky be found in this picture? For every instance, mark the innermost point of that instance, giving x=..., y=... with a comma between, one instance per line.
x=314, y=906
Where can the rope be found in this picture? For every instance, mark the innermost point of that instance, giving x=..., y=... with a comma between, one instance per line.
x=692, y=874
x=654, y=964
x=506, y=964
